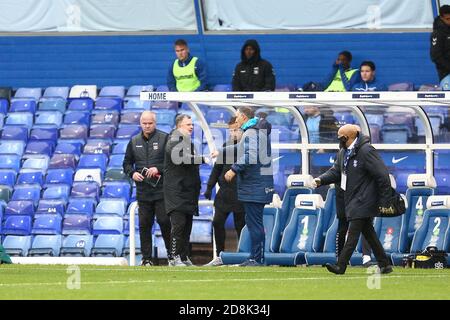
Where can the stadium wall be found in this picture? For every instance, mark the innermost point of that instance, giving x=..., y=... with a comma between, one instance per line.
x=42, y=61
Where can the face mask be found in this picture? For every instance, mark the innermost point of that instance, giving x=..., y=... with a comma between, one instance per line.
x=342, y=142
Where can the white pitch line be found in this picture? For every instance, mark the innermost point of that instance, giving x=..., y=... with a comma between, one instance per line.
x=213, y=280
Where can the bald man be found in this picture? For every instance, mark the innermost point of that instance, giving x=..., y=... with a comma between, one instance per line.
x=144, y=162
x=364, y=180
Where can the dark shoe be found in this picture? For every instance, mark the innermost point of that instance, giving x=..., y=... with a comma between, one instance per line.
x=146, y=263
x=387, y=269
x=334, y=268
x=250, y=263
x=369, y=264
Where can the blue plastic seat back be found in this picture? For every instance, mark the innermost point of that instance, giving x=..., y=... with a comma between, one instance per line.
x=74, y=131
x=51, y=207
x=111, y=207
x=166, y=117
x=329, y=210
x=77, y=117
x=30, y=177
x=85, y=190
x=132, y=117
x=17, y=225
x=218, y=116
x=93, y=161
x=9, y=161
x=77, y=245
x=417, y=200
x=27, y=192
x=16, y=147
x=23, y=106
x=76, y=224
x=120, y=146
x=108, y=245
x=8, y=177
x=288, y=203
x=101, y=131
x=116, y=161
x=126, y=226
x=81, y=206
x=97, y=146
x=71, y=148
x=105, y=118
x=20, y=118
x=49, y=118
x=137, y=104
x=112, y=91
x=401, y=86
x=46, y=245
x=28, y=93
x=108, y=225
x=81, y=104
x=58, y=105
x=47, y=224
x=56, y=191
x=64, y=176
x=20, y=207
x=392, y=233
x=434, y=231
x=15, y=133
x=40, y=147
x=44, y=134
x=222, y=88
x=128, y=131
x=135, y=91
x=330, y=237
x=117, y=190
x=17, y=245
x=56, y=92
x=108, y=104
x=36, y=162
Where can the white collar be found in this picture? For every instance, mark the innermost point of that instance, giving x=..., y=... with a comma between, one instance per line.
x=352, y=146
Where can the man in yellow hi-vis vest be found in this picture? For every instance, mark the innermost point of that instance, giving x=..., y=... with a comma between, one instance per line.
x=342, y=76
x=187, y=73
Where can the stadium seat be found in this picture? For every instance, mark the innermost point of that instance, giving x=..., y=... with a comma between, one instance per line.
x=56, y=92
x=16, y=147
x=64, y=176
x=93, y=161
x=420, y=187
x=394, y=134
x=202, y=230
x=302, y=234
x=36, y=147
x=56, y=191
x=9, y=161
x=81, y=104
x=110, y=207
x=4, y=106
x=329, y=209
x=272, y=239
x=109, y=245
x=97, y=146
x=28, y=93
x=58, y=105
x=136, y=104
x=222, y=88
x=83, y=91
x=110, y=104
x=74, y=131
x=19, y=207
x=434, y=230
x=137, y=245
x=51, y=207
x=126, y=225
x=27, y=192
x=20, y=118
x=218, y=116
x=77, y=245
x=120, y=146
x=85, y=190
x=89, y=175
x=105, y=118
x=328, y=254
x=77, y=117
x=47, y=224
x=127, y=131
x=401, y=86
x=70, y=148
x=102, y=131
x=135, y=91
x=112, y=91
x=130, y=117
x=116, y=174
x=7, y=177
x=283, y=134
x=76, y=224
x=108, y=225
x=36, y=162
x=30, y=177
x=116, y=161
x=117, y=190
x=81, y=206
x=17, y=246
x=45, y=245
x=23, y=106
x=15, y=133
x=17, y=225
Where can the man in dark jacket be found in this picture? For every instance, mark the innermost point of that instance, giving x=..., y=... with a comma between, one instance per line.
x=321, y=123
x=253, y=73
x=440, y=44
x=181, y=187
x=254, y=178
x=146, y=150
x=226, y=200
x=365, y=181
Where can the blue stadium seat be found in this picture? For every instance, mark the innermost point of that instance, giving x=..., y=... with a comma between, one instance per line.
x=89, y=175
x=45, y=245
x=20, y=118
x=62, y=161
x=272, y=238
x=117, y=190
x=19, y=208
x=136, y=104
x=201, y=230
x=116, y=174
x=83, y=92
x=392, y=133
x=108, y=245
x=442, y=180
x=110, y=207
x=120, y=146
x=47, y=224
x=116, y=161
x=137, y=245
x=162, y=88
x=302, y=234
x=93, y=161
x=135, y=91
x=67, y=147
x=23, y=106
x=36, y=162
x=76, y=224
x=16, y=147
x=58, y=105
x=102, y=131
x=74, y=131
x=165, y=128
x=108, y=225
x=40, y=147
x=17, y=246
x=166, y=117
x=17, y=225
x=56, y=92
x=112, y=91
x=127, y=131
x=64, y=176
x=109, y=118
x=85, y=190
x=401, y=86
x=9, y=161
x=28, y=93
x=27, y=192
x=130, y=117
x=328, y=254
x=30, y=177
x=283, y=134
x=81, y=206
x=4, y=106
x=51, y=207
x=44, y=134
x=126, y=225
x=77, y=245
x=420, y=187
x=82, y=104
x=434, y=230
x=110, y=104
x=222, y=88
x=218, y=116
x=8, y=177
x=15, y=133
x=56, y=191
x=77, y=117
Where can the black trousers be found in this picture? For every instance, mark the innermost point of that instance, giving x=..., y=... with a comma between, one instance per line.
x=340, y=238
x=356, y=227
x=220, y=216
x=147, y=212
x=181, y=232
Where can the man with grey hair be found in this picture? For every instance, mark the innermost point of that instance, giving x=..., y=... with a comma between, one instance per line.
x=181, y=187
x=143, y=162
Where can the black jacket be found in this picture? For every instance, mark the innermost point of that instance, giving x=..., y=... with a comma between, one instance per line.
x=328, y=126
x=255, y=74
x=142, y=152
x=368, y=184
x=440, y=47
x=181, y=175
x=226, y=198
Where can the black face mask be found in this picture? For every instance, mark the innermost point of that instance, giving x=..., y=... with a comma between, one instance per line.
x=342, y=142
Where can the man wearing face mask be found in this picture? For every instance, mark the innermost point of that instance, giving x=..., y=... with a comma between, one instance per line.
x=365, y=182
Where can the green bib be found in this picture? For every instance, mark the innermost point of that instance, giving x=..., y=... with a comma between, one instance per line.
x=187, y=80
x=337, y=85
x=4, y=258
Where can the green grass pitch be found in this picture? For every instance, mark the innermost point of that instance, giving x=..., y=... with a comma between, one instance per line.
x=220, y=283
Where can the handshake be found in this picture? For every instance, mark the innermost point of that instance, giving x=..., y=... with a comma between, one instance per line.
x=316, y=183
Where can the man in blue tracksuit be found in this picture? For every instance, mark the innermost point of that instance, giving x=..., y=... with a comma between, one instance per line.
x=254, y=178
x=368, y=81
x=342, y=77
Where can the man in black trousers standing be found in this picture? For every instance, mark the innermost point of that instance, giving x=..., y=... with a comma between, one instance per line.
x=366, y=186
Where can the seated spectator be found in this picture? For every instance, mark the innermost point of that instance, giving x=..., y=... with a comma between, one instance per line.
x=342, y=77
x=321, y=123
x=253, y=73
x=368, y=81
